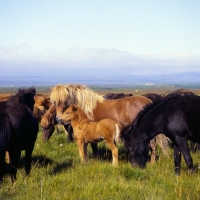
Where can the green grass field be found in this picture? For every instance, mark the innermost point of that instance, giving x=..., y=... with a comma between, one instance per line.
x=57, y=173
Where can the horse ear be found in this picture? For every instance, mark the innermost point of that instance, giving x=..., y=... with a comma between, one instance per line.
x=74, y=107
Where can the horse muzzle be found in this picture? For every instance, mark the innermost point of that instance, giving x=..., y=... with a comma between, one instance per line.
x=60, y=121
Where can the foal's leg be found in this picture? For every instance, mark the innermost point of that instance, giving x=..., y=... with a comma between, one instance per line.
x=153, y=150
x=80, y=144
x=114, y=150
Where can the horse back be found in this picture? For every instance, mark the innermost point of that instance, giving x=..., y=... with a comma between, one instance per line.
x=123, y=111
x=187, y=111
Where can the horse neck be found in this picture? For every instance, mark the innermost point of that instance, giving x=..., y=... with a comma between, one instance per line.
x=51, y=111
x=19, y=99
x=151, y=124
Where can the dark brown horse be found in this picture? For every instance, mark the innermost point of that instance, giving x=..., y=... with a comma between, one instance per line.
x=96, y=108
x=18, y=131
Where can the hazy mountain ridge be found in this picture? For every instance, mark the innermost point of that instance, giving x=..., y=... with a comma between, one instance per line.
x=165, y=79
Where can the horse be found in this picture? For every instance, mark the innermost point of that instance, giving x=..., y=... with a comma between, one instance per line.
x=18, y=131
x=86, y=131
x=42, y=100
x=49, y=122
x=96, y=108
x=116, y=95
x=176, y=115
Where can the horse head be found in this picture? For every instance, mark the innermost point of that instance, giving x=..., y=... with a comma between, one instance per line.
x=48, y=123
x=69, y=114
x=25, y=97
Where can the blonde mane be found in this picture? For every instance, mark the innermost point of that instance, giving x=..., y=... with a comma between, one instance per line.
x=79, y=95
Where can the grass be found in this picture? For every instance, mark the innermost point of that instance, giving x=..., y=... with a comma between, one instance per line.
x=58, y=174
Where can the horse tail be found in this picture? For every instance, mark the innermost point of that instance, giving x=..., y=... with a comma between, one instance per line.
x=5, y=133
x=117, y=133
x=164, y=143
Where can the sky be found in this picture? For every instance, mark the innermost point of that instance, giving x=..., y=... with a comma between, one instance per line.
x=99, y=37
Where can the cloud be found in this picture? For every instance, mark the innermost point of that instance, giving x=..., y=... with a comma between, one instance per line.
x=25, y=60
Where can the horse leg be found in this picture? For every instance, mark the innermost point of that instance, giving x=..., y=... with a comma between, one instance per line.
x=58, y=127
x=80, y=144
x=2, y=167
x=183, y=145
x=177, y=159
x=14, y=159
x=69, y=132
x=94, y=149
x=153, y=150
x=28, y=160
x=85, y=151
x=193, y=146
x=114, y=150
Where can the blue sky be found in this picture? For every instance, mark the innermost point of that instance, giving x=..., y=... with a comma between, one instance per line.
x=129, y=36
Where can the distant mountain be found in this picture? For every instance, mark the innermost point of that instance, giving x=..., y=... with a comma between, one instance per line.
x=123, y=80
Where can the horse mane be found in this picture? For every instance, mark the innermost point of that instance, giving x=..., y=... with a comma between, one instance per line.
x=22, y=94
x=82, y=96
x=155, y=103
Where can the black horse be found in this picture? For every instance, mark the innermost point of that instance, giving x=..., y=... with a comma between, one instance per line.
x=18, y=131
x=177, y=115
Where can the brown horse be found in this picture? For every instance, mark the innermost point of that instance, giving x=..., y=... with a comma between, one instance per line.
x=96, y=108
x=49, y=123
x=42, y=100
x=86, y=131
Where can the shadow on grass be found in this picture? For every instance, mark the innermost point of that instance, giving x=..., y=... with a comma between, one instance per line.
x=43, y=161
x=38, y=161
x=60, y=167
x=106, y=154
